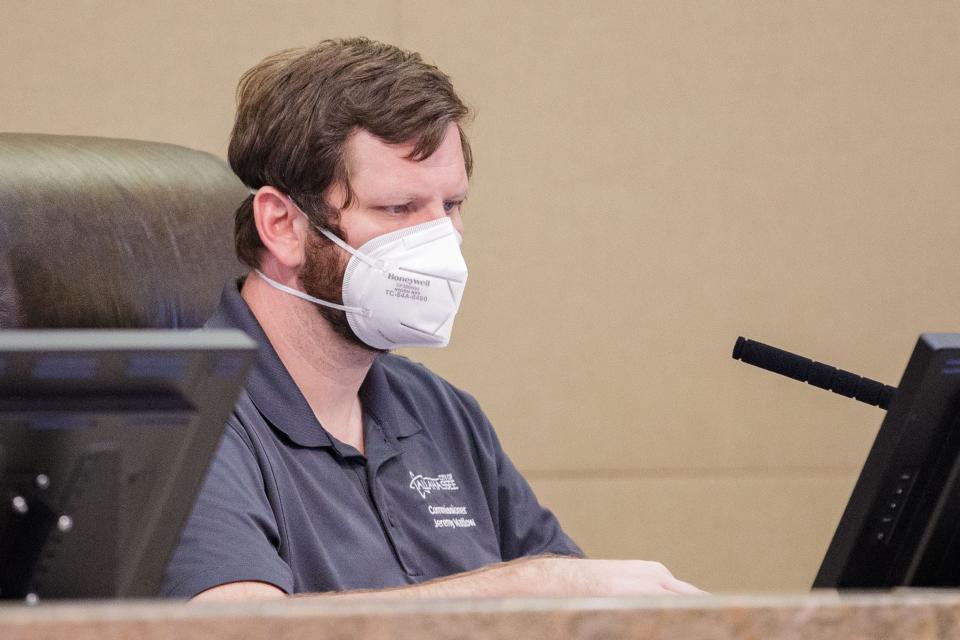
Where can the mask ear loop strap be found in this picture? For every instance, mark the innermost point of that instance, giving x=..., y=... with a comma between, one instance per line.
x=376, y=264
x=379, y=265
x=303, y=296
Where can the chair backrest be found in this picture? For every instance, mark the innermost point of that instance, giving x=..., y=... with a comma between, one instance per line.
x=100, y=232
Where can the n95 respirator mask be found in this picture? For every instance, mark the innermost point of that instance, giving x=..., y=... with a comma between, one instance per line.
x=400, y=289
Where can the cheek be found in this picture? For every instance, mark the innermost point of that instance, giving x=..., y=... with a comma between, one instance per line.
x=359, y=228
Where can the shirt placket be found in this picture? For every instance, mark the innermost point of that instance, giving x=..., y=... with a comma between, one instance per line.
x=381, y=451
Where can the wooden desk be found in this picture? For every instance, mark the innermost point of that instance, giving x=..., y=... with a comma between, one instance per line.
x=907, y=614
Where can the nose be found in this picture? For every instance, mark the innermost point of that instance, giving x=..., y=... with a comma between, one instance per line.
x=435, y=211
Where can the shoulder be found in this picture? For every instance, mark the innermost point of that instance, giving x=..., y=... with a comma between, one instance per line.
x=444, y=410
x=451, y=417
x=413, y=381
x=245, y=433
x=245, y=420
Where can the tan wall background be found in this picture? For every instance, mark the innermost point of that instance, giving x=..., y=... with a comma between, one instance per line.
x=653, y=179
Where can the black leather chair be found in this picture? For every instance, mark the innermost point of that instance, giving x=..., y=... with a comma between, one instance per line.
x=99, y=232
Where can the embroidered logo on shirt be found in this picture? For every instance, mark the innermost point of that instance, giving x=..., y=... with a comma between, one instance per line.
x=424, y=485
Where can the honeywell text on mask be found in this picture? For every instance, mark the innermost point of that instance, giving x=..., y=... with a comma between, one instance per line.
x=407, y=288
x=406, y=280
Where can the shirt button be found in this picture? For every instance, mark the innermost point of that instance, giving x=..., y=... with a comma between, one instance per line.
x=390, y=519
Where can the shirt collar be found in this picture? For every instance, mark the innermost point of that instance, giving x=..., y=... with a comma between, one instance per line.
x=381, y=396
x=277, y=396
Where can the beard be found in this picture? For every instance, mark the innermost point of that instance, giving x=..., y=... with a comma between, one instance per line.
x=321, y=276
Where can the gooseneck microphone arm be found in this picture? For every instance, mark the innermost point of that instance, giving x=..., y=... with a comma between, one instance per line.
x=815, y=373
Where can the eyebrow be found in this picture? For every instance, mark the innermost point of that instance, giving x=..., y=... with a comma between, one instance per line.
x=409, y=197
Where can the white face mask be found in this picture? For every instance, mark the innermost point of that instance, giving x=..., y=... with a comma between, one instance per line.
x=401, y=289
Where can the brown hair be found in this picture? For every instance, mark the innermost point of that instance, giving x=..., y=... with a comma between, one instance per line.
x=297, y=109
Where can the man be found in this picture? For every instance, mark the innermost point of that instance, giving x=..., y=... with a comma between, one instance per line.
x=344, y=467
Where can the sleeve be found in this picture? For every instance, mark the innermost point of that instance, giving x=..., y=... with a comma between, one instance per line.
x=527, y=528
x=232, y=533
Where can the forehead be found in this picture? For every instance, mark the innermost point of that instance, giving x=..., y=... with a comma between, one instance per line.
x=379, y=169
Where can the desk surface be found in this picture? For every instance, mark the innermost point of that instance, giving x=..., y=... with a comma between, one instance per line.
x=905, y=614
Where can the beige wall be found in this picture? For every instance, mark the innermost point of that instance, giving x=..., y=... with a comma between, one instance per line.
x=653, y=179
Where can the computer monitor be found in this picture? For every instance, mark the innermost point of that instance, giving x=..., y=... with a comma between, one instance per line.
x=901, y=526
x=105, y=437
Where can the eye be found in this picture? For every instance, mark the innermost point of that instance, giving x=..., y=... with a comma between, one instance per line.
x=397, y=208
x=452, y=205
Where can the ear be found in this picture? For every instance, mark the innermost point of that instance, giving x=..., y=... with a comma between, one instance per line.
x=282, y=227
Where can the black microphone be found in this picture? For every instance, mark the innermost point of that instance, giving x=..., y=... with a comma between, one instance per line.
x=816, y=373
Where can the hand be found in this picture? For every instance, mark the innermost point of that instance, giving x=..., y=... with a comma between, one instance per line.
x=535, y=576
x=576, y=577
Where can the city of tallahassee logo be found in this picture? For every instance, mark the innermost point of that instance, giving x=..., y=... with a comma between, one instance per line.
x=424, y=485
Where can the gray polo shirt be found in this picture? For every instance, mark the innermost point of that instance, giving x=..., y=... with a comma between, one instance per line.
x=286, y=503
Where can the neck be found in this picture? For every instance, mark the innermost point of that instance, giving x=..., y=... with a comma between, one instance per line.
x=327, y=368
